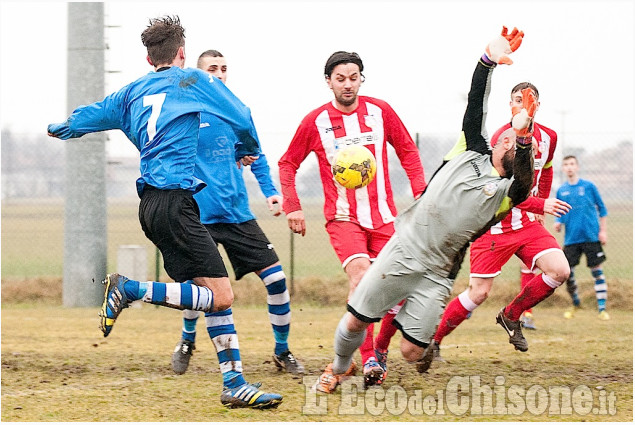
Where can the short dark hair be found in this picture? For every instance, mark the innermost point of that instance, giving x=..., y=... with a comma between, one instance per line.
x=524, y=85
x=163, y=38
x=341, y=57
x=208, y=53
x=570, y=157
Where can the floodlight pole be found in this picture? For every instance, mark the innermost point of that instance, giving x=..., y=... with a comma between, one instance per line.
x=85, y=236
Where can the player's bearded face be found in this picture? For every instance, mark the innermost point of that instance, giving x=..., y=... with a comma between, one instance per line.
x=345, y=81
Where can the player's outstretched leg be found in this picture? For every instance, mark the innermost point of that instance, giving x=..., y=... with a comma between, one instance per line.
x=115, y=300
x=278, y=304
x=185, y=347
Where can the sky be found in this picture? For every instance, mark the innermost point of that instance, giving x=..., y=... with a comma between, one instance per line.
x=418, y=56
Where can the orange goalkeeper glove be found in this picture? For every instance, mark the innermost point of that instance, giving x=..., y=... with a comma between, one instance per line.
x=523, y=115
x=498, y=49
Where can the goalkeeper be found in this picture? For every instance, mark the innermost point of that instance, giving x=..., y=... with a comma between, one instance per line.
x=473, y=189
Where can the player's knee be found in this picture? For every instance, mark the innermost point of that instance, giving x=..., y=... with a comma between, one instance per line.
x=353, y=324
x=560, y=273
x=479, y=291
x=223, y=300
x=479, y=295
x=410, y=351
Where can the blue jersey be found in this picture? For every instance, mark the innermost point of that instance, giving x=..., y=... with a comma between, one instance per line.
x=160, y=114
x=581, y=222
x=224, y=199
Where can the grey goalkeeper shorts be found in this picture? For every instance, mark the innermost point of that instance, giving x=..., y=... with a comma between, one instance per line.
x=394, y=276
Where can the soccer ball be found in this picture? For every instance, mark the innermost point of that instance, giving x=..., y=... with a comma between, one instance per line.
x=354, y=167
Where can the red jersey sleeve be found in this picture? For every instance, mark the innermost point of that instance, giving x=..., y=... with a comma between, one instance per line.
x=406, y=150
x=299, y=148
x=546, y=177
x=533, y=204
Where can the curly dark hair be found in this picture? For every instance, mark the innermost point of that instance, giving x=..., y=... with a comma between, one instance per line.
x=340, y=57
x=162, y=38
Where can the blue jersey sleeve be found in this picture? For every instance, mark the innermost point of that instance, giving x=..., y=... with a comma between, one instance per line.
x=109, y=114
x=260, y=168
x=598, y=201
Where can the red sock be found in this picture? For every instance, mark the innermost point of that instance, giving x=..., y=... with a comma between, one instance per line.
x=534, y=292
x=367, y=348
x=453, y=316
x=525, y=278
x=387, y=330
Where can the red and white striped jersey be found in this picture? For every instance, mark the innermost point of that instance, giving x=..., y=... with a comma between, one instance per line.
x=373, y=124
x=523, y=213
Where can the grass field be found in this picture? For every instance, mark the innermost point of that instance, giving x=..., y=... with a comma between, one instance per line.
x=56, y=366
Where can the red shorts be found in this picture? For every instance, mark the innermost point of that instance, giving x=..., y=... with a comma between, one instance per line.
x=489, y=253
x=350, y=240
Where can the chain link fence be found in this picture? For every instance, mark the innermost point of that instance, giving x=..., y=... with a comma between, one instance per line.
x=33, y=205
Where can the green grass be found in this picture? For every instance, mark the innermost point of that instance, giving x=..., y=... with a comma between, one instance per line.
x=56, y=366
x=33, y=242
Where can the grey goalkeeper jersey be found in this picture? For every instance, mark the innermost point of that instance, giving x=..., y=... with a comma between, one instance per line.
x=462, y=199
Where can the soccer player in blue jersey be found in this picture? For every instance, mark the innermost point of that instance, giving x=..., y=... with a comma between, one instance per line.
x=161, y=115
x=225, y=212
x=584, y=233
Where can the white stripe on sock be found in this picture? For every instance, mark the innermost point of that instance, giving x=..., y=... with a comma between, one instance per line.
x=466, y=302
x=236, y=366
x=273, y=277
x=173, y=294
x=213, y=321
x=190, y=314
x=225, y=342
x=280, y=319
x=278, y=299
x=551, y=282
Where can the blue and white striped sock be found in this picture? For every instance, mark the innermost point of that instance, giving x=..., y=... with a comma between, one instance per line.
x=190, y=317
x=601, y=288
x=220, y=326
x=278, y=305
x=182, y=296
x=572, y=288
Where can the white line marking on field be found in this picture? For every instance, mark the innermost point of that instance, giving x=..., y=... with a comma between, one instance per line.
x=476, y=344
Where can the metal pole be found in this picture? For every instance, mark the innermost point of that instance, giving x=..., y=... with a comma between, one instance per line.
x=85, y=226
